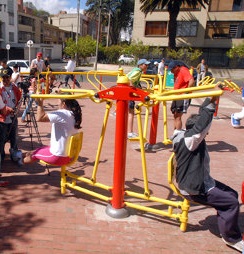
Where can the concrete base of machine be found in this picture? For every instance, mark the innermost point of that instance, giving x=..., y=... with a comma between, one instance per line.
x=117, y=213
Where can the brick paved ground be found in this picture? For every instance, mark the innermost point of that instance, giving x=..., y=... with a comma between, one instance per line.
x=36, y=218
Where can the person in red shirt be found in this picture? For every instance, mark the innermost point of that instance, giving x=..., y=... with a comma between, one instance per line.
x=182, y=79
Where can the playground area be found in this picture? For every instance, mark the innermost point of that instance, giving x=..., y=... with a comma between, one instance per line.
x=37, y=218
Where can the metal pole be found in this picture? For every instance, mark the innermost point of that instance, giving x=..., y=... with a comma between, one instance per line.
x=29, y=55
x=98, y=33
x=77, y=31
x=109, y=17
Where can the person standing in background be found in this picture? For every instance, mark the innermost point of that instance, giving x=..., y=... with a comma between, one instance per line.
x=70, y=68
x=134, y=77
x=47, y=63
x=5, y=66
x=155, y=67
x=182, y=79
x=38, y=63
x=202, y=69
x=161, y=67
x=11, y=96
x=15, y=77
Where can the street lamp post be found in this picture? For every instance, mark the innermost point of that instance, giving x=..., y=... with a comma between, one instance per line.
x=29, y=44
x=98, y=33
x=8, y=48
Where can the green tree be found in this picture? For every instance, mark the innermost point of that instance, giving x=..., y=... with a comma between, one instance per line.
x=236, y=51
x=86, y=46
x=173, y=7
x=188, y=55
x=137, y=49
x=120, y=12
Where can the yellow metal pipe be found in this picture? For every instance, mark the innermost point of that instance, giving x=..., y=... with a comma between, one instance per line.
x=105, y=121
x=88, y=192
x=88, y=181
x=143, y=157
x=99, y=82
x=187, y=90
x=152, y=198
x=166, y=140
x=63, y=180
x=187, y=96
x=153, y=210
x=91, y=81
x=164, y=79
x=81, y=94
x=146, y=122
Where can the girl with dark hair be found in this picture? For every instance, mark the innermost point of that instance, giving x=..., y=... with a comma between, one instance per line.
x=66, y=121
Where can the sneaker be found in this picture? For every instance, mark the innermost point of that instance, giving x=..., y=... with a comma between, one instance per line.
x=132, y=135
x=4, y=183
x=77, y=84
x=238, y=246
x=235, y=122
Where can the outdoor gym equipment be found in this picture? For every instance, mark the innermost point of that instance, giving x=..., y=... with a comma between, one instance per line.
x=117, y=194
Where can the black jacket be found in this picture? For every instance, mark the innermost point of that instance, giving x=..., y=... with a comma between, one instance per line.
x=192, y=171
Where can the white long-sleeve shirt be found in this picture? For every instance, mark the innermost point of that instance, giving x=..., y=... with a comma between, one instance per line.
x=70, y=66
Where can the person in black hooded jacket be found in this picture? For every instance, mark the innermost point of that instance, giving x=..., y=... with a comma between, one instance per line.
x=193, y=174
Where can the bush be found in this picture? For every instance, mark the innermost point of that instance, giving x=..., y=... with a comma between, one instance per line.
x=187, y=55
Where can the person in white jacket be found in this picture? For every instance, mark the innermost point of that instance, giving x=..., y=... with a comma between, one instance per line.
x=70, y=68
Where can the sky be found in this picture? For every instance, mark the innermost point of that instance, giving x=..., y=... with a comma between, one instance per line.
x=54, y=6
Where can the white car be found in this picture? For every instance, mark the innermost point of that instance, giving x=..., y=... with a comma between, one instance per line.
x=126, y=59
x=24, y=65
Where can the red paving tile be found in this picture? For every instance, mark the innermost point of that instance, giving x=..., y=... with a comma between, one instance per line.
x=36, y=218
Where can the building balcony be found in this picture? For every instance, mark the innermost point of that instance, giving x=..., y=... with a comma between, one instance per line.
x=222, y=42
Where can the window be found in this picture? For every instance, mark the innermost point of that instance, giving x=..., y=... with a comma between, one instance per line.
x=3, y=7
x=156, y=28
x=25, y=20
x=11, y=36
x=10, y=6
x=238, y=5
x=223, y=30
x=11, y=19
x=184, y=7
x=24, y=36
x=233, y=31
x=187, y=28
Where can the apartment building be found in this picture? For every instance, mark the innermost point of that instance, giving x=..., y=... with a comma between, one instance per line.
x=8, y=23
x=19, y=24
x=215, y=29
x=73, y=22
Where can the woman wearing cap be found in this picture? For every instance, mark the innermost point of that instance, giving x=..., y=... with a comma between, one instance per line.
x=38, y=63
x=182, y=79
x=134, y=77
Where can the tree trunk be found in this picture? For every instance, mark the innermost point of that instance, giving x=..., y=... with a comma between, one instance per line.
x=173, y=9
x=172, y=28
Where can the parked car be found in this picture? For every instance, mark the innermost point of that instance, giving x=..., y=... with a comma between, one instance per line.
x=126, y=59
x=24, y=65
